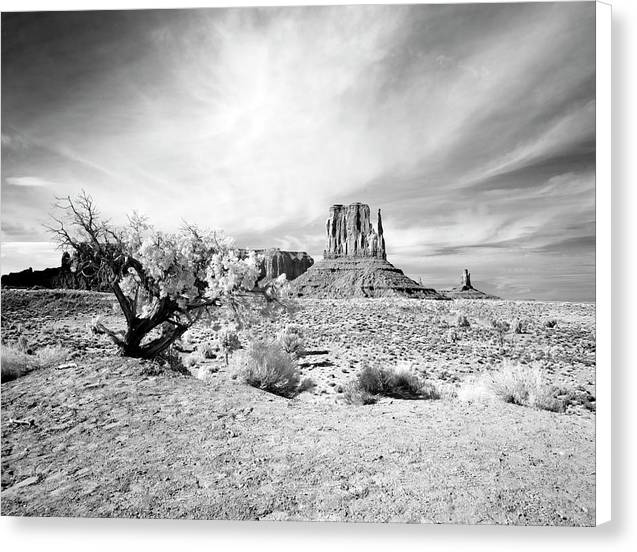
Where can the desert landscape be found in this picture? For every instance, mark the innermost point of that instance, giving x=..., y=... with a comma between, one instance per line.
x=314, y=263
x=99, y=435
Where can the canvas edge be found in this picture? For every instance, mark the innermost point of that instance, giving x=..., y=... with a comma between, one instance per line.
x=603, y=290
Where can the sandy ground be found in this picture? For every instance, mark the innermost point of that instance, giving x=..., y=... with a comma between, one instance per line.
x=107, y=436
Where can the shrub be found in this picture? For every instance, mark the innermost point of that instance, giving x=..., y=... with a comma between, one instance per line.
x=400, y=383
x=228, y=341
x=51, y=356
x=525, y=386
x=452, y=336
x=353, y=394
x=207, y=349
x=17, y=363
x=23, y=344
x=307, y=384
x=193, y=359
x=520, y=326
x=267, y=366
x=552, y=323
x=501, y=327
x=462, y=321
x=291, y=339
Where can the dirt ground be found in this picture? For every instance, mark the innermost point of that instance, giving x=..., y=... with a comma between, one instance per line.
x=108, y=436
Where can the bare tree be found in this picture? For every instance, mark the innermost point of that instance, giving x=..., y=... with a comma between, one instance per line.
x=103, y=252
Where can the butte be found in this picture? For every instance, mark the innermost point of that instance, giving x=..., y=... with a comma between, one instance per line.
x=355, y=261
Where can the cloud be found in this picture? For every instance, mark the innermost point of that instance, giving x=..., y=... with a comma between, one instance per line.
x=471, y=126
x=29, y=182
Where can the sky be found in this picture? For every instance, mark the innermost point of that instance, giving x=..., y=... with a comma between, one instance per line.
x=471, y=126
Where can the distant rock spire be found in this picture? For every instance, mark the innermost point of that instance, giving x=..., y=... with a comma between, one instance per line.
x=381, y=240
x=465, y=281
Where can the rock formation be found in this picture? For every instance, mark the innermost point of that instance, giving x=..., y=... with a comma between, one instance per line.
x=355, y=261
x=350, y=233
x=465, y=281
x=465, y=290
x=62, y=277
x=275, y=262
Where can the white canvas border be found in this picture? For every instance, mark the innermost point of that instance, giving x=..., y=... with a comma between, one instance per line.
x=603, y=259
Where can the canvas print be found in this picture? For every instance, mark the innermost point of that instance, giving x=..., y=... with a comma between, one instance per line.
x=300, y=263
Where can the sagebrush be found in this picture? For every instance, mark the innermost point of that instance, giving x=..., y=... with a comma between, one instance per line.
x=396, y=382
x=266, y=365
x=16, y=362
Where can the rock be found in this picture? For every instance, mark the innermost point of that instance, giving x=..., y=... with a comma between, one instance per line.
x=465, y=290
x=69, y=275
x=350, y=233
x=465, y=281
x=355, y=263
x=290, y=263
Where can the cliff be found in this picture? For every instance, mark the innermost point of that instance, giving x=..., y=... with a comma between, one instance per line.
x=275, y=262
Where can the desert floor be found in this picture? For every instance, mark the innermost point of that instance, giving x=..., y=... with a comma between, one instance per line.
x=107, y=436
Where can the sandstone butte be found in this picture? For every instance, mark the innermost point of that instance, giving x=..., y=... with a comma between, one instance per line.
x=355, y=261
x=275, y=262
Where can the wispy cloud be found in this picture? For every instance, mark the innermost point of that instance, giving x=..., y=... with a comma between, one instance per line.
x=471, y=126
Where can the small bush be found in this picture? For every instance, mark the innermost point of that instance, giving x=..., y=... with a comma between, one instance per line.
x=23, y=344
x=501, y=327
x=193, y=360
x=307, y=384
x=291, y=339
x=228, y=342
x=520, y=326
x=17, y=363
x=353, y=394
x=207, y=349
x=525, y=386
x=267, y=366
x=51, y=356
x=462, y=321
x=400, y=383
x=452, y=336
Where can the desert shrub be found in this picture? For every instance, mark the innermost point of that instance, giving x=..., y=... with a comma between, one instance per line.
x=228, y=341
x=22, y=344
x=520, y=326
x=307, y=384
x=525, y=386
x=452, y=336
x=17, y=363
x=267, y=366
x=51, y=356
x=401, y=383
x=501, y=327
x=291, y=339
x=193, y=360
x=353, y=394
x=462, y=321
x=207, y=349
x=552, y=323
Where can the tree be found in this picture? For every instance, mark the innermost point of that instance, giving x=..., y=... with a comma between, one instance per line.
x=228, y=342
x=163, y=282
